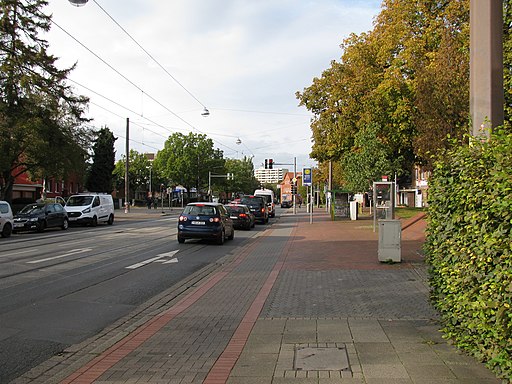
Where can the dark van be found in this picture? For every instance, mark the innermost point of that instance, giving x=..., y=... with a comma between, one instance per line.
x=258, y=207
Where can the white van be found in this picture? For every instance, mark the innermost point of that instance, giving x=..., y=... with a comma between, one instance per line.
x=90, y=208
x=6, y=220
x=268, y=195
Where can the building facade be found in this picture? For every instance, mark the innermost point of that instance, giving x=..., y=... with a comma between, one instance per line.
x=285, y=187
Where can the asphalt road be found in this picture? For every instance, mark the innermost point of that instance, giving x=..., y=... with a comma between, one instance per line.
x=59, y=287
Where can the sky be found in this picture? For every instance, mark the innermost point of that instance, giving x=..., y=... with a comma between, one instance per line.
x=244, y=60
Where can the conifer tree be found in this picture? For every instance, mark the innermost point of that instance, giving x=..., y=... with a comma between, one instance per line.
x=41, y=118
x=100, y=176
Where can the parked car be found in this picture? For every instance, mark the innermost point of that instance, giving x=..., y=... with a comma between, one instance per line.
x=205, y=221
x=258, y=207
x=241, y=215
x=286, y=204
x=90, y=209
x=39, y=216
x=6, y=220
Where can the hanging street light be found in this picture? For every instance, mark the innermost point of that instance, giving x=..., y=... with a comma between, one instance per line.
x=78, y=3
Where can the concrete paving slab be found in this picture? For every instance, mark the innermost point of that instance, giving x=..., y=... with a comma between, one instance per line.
x=385, y=371
x=438, y=371
x=300, y=331
x=377, y=353
x=269, y=327
x=255, y=365
x=367, y=330
x=333, y=330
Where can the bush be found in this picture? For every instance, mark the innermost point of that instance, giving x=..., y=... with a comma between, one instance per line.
x=469, y=247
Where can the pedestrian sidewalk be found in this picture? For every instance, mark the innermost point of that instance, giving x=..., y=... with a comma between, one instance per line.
x=298, y=303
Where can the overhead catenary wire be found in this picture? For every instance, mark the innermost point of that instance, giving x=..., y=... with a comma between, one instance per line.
x=140, y=115
x=150, y=55
x=136, y=86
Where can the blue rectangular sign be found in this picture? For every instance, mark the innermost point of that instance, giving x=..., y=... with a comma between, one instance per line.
x=307, y=177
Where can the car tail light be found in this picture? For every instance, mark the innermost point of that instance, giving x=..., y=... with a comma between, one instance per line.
x=242, y=215
x=214, y=220
x=183, y=218
x=263, y=210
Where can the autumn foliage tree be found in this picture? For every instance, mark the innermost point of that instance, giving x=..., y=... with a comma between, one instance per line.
x=406, y=82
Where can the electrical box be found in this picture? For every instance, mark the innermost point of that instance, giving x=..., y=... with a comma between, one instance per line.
x=390, y=239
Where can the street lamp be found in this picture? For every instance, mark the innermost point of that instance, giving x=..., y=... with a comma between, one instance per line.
x=78, y=3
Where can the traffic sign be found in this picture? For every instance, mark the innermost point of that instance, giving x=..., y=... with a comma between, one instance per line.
x=307, y=177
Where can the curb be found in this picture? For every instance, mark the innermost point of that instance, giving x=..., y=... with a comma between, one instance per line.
x=413, y=220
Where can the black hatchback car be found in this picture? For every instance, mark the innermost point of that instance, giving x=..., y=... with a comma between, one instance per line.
x=241, y=215
x=258, y=207
x=205, y=221
x=39, y=216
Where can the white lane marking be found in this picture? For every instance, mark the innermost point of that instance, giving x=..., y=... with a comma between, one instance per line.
x=156, y=259
x=16, y=253
x=70, y=253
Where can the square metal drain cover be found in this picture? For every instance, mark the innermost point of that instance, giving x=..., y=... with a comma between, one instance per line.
x=321, y=359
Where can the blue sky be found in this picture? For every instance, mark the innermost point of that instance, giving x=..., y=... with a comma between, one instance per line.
x=244, y=60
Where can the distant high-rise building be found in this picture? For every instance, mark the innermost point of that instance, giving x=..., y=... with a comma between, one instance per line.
x=270, y=176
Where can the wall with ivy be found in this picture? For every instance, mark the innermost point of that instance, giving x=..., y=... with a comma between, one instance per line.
x=469, y=248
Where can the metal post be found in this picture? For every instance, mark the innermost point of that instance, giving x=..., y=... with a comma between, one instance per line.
x=486, y=65
x=294, y=195
x=209, y=186
x=329, y=189
x=126, y=173
x=150, y=185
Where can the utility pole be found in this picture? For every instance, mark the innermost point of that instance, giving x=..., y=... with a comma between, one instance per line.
x=126, y=174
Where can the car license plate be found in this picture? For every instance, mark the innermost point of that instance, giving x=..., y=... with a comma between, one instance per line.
x=198, y=223
x=18, y=225
x=234, y=217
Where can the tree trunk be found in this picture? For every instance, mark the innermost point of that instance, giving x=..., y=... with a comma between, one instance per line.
x=6, y=189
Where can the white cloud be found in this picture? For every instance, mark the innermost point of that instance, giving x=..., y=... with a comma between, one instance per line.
x=243, y=59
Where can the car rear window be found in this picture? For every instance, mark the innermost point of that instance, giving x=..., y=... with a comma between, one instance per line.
x=232, y=209
x=200, y=210
x=267, y=198
x=252, y=201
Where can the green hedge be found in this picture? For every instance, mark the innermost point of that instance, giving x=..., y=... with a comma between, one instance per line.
x=469, y=248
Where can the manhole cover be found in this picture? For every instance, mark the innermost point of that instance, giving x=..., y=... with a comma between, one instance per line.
x=321, y=359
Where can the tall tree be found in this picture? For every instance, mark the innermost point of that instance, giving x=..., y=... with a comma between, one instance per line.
x=187, y=159
x=367, y=161
x=408, y=77
x=40, y=117
x=243, y=175
x=100, y=175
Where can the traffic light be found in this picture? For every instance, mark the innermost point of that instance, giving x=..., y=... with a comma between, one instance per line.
x=266, y=163
x=270, y=163
x=294, y=189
